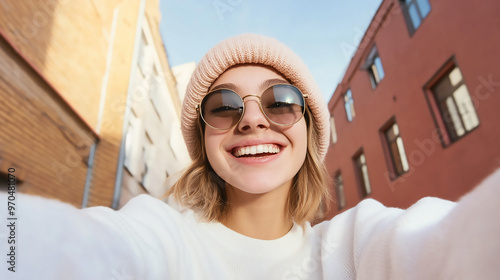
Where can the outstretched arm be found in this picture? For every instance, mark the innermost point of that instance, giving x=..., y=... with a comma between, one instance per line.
x=433, y=239
x=54, y=240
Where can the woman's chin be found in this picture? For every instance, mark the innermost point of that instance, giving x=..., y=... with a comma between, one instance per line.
x=257, y=186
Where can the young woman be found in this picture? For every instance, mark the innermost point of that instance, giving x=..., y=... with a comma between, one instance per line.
x=257, y=132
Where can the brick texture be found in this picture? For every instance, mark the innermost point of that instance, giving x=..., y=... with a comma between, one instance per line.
x=460, y=31
x=40, y=136
x=54, y=88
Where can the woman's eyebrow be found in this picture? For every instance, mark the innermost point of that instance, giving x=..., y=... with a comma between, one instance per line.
x=271, y=82
x=230, y=86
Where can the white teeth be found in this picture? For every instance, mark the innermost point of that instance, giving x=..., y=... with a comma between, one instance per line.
x=257, y=149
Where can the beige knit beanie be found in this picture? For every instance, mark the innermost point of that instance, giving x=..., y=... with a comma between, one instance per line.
x=258, y=49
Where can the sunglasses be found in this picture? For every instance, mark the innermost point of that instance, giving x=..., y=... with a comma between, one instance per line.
x=281, y=104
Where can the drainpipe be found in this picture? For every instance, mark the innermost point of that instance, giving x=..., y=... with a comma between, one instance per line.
x=88, y=177
x=121, y=157
x=102, y=101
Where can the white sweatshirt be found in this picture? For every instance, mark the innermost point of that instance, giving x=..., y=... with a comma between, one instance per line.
x=147, y=239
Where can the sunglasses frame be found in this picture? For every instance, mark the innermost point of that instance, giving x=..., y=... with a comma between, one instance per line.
x=304, y=97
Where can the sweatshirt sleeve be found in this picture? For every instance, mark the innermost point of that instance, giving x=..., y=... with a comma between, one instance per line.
x=53, y=240
x=433, y=239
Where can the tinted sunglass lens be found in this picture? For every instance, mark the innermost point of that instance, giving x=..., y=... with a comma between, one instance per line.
x=283, y=104
x=222, y=109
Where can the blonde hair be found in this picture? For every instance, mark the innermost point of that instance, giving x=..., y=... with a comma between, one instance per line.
x=201, y=189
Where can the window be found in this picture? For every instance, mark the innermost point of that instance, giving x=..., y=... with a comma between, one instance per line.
x=455, y=105
x=362, y=174
x=339, y=190
x=349, y=105
x=333, y=130
x=374, y=67
x=415, y=11
x=396, y=150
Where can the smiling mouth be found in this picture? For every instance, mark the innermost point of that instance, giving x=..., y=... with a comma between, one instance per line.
x=256, y=150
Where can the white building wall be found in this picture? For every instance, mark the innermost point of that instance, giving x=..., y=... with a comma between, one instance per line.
x=183, y=74
x=155, y=148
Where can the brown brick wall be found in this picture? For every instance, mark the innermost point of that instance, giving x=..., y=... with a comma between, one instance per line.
x=66, y=44
x=39, y=134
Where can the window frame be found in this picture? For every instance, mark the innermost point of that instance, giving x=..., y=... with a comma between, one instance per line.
x=377, y=76
x=394, y=172
x=333, y=130
x=351, y=113
x=365, y=189
x=339, y=190
x=439, y=119
x=408, y=18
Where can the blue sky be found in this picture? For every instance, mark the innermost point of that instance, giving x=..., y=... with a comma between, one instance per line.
x=324, y=33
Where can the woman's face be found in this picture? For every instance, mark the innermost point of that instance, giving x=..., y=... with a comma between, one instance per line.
x=286, y=146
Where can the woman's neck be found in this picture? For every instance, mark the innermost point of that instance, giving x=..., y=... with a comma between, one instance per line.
x=260, y=216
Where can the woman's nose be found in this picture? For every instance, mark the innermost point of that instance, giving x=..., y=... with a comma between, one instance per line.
x=252, y=117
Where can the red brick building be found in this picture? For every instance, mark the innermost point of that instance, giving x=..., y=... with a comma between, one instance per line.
x=418, y=111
